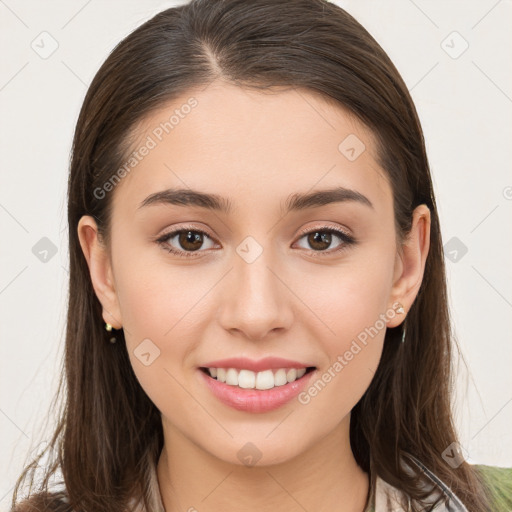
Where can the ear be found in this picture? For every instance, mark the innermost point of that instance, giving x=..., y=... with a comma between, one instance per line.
x=410, y=263
x=100, y=269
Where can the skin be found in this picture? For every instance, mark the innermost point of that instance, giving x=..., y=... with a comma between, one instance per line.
x=255, y=148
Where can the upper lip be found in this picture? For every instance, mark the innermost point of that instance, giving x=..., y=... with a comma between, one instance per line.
x=267, y=363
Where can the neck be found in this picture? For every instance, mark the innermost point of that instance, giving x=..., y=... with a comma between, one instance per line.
x=323, y=478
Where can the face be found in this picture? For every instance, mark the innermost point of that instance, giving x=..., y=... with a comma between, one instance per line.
x=265, y=274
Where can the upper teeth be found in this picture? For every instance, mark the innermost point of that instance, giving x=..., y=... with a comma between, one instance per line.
x=247, y=379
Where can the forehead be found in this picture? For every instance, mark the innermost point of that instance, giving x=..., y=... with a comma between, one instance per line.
x=255, y=147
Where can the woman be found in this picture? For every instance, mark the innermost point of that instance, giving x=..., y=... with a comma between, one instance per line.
x=258, y=316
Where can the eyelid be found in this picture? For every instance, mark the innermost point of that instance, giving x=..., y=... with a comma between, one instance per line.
x=325, y=227
x=186, y=227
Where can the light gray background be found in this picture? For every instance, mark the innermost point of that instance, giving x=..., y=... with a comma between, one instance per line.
x=464, y=102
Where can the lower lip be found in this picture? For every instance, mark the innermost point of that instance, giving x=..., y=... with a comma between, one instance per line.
x=256, y=400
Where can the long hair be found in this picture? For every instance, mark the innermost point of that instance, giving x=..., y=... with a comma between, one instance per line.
x=109, y=432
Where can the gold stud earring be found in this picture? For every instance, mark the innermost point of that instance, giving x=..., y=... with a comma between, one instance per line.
x=109, y=328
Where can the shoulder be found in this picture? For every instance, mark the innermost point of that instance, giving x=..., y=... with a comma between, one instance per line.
x=498, y=482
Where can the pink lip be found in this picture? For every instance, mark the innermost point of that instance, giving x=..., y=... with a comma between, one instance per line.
x=256, y=400
x=267, y=363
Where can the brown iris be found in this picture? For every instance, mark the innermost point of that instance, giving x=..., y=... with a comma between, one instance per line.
x=190, y=240
x=318, y=239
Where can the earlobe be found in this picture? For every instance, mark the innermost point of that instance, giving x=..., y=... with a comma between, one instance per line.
x=100, y=270
x=411, y=262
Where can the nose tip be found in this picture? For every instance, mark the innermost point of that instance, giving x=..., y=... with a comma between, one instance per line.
x=254, y=301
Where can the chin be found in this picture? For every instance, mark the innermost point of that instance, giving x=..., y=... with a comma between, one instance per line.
x=257, y=452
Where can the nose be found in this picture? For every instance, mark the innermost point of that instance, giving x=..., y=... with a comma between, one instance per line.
x=255, y=298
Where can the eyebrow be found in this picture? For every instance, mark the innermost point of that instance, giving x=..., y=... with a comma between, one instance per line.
x=214, y=202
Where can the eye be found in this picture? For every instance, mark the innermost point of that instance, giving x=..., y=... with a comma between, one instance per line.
x=189, y=239
x=321, y=238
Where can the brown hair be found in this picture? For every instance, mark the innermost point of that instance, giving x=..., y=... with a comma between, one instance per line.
x=108, y=430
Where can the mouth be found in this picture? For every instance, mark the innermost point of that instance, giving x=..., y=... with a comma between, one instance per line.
x=262, y=380
x=256, y=392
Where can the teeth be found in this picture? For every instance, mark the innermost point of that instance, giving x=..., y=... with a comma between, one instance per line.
x=232, y=377
x=264, y=380
x=248, y=379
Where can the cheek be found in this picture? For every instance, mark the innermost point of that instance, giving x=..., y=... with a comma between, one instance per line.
x=351, y=313
x=338, y=387
x=157, y=299
x=158, y=309
x=346, y=301
x=164, y=311
x=352, y=340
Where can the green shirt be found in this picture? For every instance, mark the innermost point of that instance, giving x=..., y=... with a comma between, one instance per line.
x=499, y=482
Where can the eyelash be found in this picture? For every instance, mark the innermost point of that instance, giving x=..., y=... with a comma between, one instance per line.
x=346, y=239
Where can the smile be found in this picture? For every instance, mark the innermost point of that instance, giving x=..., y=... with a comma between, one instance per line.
x=247, y=379
x=276, y=387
